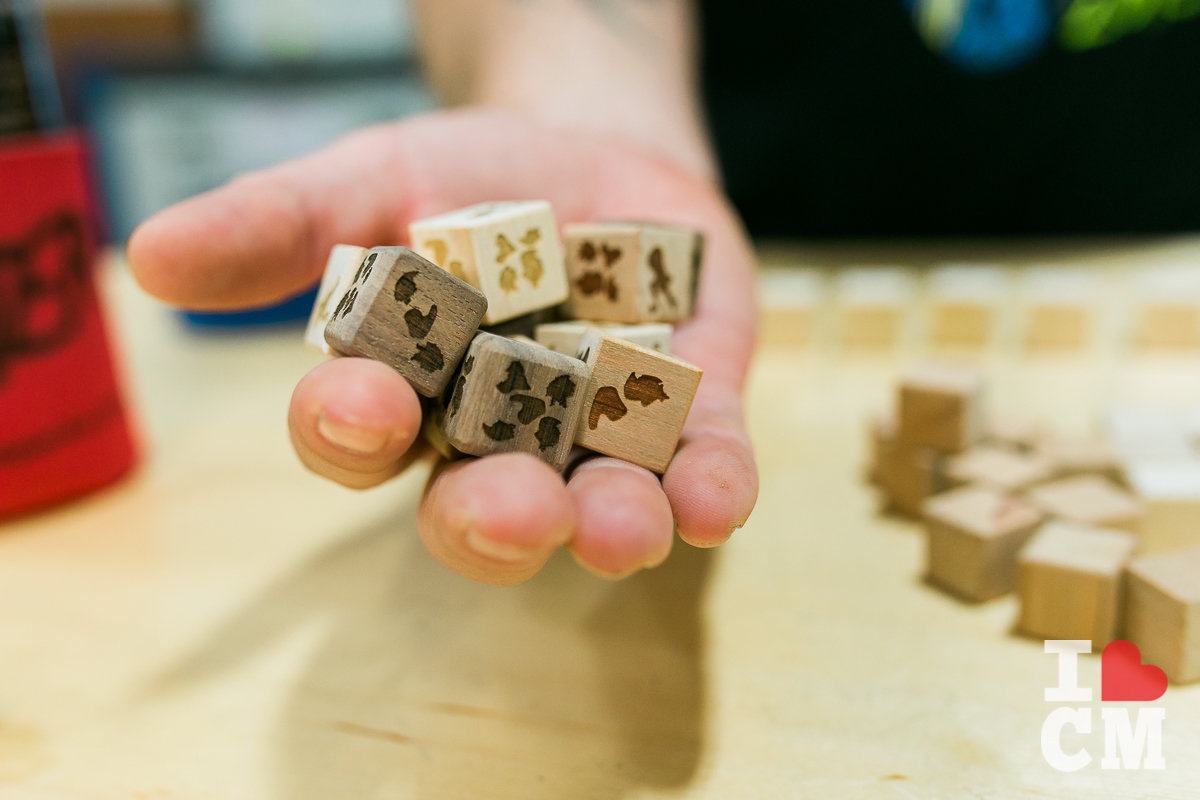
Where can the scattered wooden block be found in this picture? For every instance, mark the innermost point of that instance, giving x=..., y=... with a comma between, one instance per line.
x=940, y=408
x=1081, y=455
x=632, y=271
x=564, y=337
x=339, y=271
x=1089, y=499
x=790, y=305
x=997, y=467
x=508, y=250
x=881, y=437
x=512, y=396
x=1162, y=611
x=637, y=401
x=1170, y=495
x=1012, y=433
x=973, y=536
x=408, y=313
x=1069, y=582
x=908, y=476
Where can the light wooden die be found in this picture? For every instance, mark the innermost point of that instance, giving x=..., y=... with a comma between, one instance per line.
x=339, y=271
x=1069, y=582
x=939, y=407
x=637, y=401
x=973, y=537
x=510, y=251
x=632, y=271
x=564, y=337
x=408, y=313
x=998, y=467
x=1089, y=499
x=1162, y=611
x=515, y=396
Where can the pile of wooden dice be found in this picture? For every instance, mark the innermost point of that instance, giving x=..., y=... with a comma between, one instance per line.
x=520, y=342
x=1098, y=536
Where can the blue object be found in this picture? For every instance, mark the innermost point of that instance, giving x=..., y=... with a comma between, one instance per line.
x=290, y=310
x=994, y=35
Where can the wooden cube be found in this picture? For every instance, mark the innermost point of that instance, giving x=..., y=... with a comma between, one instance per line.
x=939, y=407
x=998, y=467
x=632, y=271
x=1069, y=582
x=908, y=476
x=637, y=401
x=973, y=537
x=1162, y=611
x=408, y=313
x=1089, y=499
x=510, y=251
x=339, y=271
x=1169, y=491
x=1081, y=455
x=513, y=396
x=564, y=337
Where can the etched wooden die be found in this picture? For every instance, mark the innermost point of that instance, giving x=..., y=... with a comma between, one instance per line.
x=409, y=313
x=515, y=396
x=339, y=271
x=509, y=251
x=632, y=271
x=637, y=401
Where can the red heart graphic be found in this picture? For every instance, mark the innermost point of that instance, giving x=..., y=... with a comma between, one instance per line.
x=1123, y=676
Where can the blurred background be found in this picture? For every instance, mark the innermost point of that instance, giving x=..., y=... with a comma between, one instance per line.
x=180, y=95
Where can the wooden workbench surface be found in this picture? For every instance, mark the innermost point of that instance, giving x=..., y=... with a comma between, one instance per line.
x=224, y=625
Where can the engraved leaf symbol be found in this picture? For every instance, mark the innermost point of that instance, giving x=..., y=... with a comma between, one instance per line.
x=429, y=357
x=531, y=267
x=548, y=433
x=406, y=287
x=508, y=279
x=515, y=380
x=560, y=390
x=500, y=431
x=420, y=324
x=531, y=407
x=644, y=389
x=504, y=248
x=606, y=403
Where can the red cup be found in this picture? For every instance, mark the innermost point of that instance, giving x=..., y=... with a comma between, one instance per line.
x=63, y=426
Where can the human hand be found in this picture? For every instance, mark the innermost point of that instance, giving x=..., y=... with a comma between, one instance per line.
x=355, y=421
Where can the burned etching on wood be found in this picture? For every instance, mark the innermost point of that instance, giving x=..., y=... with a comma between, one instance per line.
x=529, y=407
x=597, y=278
x=441, y=257
x=460, y=385
x=532, y=268
x=607, y=403
x=660, y=286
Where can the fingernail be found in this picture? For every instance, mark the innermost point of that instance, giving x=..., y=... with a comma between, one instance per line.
x=490, y=548
x=356, y=439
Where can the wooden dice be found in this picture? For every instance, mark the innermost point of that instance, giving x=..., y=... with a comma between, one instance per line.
x=1162, y=612
x=409, y=313
x=939, y=407
x=510, y=251
x=1089, y=499
x=515, y=396
x=1069, y=582
x=998, y=467
x=339, y=271
x=973, y=537
x=631, y=271
x=564, y=337
x=636, y=401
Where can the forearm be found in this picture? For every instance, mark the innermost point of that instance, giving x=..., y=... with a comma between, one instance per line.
x=627, y=67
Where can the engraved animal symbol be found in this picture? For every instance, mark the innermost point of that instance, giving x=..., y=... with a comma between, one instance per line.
x=661, y=285
x=515, y=381
x=420, y=324
x=504, y=248
x=531, y=267
x=364, y=269
x=606, y=403
x=406, y=287
x=508, y=280
x=592, y=281
x=611, y=254
x=531, y=407
x=441, y=256
x=429, y=357
x=460, y=385
x=644, y=389
x=500, y=431
x=43, y=279
x=560, y=390
x=346, y=304
x=548, y=433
